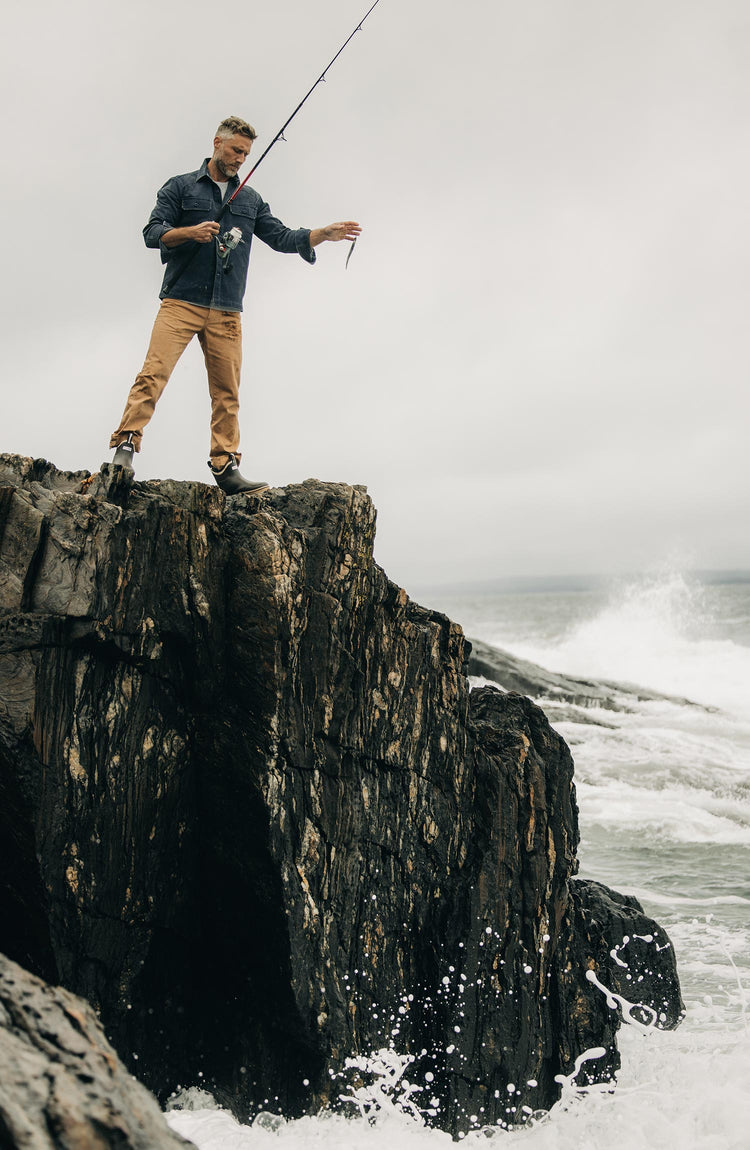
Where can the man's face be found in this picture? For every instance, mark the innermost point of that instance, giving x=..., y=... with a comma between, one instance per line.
x=229, y=155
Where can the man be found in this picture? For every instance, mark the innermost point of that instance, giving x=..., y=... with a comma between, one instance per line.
x=204, y=282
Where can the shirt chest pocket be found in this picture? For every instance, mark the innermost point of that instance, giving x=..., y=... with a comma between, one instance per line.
x=195, y=208
x=243, y=216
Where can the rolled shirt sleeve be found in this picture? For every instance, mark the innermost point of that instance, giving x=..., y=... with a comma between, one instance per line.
x=164, y=217
x=281, y=238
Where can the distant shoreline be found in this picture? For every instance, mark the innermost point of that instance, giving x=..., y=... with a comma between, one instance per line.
x=530, y=584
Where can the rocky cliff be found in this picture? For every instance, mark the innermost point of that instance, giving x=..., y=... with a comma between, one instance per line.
x=250, y=809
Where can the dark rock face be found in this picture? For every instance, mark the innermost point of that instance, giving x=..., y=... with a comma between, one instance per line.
x=624, y=949
x=629, y=971
x=250, y=809
x=61, y=1083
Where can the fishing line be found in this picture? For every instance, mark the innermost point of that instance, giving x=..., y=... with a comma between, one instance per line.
x=280, y=136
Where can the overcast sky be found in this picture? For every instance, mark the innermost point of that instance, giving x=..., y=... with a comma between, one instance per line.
x=538, y=358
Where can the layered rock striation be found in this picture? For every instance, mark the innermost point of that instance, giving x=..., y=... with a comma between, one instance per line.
x=251, y=810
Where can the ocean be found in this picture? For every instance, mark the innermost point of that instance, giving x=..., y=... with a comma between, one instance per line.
x=664, y=799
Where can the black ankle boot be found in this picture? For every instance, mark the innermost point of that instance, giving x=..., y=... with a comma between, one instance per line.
x=123, y=456
x=232, y=482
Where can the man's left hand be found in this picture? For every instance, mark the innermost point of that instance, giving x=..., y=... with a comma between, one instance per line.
x=345, y=230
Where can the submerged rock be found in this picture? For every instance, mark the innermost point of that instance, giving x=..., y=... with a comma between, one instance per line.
x=252, y=811
x=515, y=674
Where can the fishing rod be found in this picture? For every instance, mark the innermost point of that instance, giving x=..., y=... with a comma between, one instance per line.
x=229, y=241
x=280, y=134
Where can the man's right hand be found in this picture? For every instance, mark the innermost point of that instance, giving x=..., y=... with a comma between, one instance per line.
x=201, y=233
x=204, y=232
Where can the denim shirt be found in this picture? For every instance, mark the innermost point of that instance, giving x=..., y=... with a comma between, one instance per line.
x=207, y=280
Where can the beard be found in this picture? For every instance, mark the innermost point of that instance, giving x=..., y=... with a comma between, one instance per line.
x=226, y=169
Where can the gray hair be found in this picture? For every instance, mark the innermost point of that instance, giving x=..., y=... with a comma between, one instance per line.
x=234, y=126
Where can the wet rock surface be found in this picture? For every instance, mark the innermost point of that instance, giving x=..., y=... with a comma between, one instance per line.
x=630, y=973
x=251, y=810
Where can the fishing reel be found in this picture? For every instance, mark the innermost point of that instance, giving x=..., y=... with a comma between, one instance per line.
x=227, y=243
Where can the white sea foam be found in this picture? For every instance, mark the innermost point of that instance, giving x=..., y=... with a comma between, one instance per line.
x=210, y=1130
x=656, y=633
x=681, y=815
x=686, y=1089
x=658, y=898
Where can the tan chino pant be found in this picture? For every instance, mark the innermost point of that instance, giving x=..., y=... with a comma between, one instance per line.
x=220, y=336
